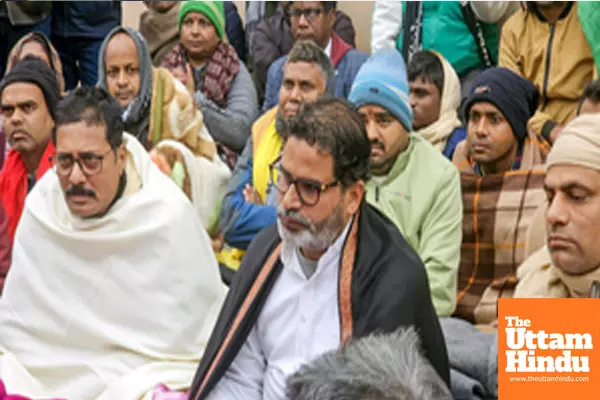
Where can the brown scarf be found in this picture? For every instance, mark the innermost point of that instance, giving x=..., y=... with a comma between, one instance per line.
x=216, y=76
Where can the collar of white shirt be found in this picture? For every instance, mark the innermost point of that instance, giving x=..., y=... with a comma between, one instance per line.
x=328, y=49
x=289, y=257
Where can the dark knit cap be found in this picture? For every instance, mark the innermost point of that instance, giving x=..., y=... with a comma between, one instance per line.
x=516, y=97
x=33, y=70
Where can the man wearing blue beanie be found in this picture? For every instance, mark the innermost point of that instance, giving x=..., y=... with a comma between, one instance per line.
x=413, y=183
x=502, y=186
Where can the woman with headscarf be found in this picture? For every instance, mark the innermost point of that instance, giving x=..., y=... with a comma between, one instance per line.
x=156, y=106
x=37, y=44
x=210, y=68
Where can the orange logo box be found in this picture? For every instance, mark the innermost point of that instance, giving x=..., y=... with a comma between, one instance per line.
x=549, y=349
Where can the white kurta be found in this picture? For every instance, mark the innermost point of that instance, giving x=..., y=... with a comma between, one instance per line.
x=299, y=322
x=106, y=308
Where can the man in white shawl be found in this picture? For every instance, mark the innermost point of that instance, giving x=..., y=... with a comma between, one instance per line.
x=435, y=100
x=114, y=287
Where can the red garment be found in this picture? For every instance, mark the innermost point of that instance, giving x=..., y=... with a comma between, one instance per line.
x=339, y=48
x=13, y=184
x=6, y=396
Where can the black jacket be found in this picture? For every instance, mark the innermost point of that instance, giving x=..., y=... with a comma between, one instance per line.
x=85, y=19
x=388, y=289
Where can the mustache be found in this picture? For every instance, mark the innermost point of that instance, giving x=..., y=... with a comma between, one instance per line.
x=377, y=144
x=294, y=215
x=79, y=190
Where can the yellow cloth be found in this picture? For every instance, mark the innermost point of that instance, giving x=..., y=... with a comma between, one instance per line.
x=523, y=49
x=267, y=146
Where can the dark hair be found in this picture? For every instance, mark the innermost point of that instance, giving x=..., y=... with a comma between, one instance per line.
x=334, y=127
x=94, y=106
x=591, y=93
x=327, y=5
x=425, y=64
x=307, y=51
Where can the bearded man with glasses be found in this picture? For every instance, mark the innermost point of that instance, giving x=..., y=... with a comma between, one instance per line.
x=332, y=268
x=314, y=20
x=113, y=287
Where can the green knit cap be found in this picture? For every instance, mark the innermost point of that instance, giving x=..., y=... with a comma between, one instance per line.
x=212, y=9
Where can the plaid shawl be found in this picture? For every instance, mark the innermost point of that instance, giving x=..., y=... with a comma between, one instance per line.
x=216, y=77
x=498, y=209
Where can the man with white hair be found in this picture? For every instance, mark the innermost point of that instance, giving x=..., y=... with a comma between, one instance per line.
x=569, y=263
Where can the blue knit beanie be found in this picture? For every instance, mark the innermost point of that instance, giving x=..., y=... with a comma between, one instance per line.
x=515, y=97
x=382, y=81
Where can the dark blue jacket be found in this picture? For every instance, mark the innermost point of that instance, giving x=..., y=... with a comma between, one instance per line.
x=85, y=19
x=235, y=29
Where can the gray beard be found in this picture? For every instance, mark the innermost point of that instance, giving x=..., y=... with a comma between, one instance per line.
x=318, y=237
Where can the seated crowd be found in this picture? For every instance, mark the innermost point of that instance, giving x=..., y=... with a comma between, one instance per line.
x=165, y=236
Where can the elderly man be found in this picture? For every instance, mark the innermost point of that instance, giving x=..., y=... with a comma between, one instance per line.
x=333, y=268
x=249, y=205
x=569, y=263
x=413, y=183
x=113, y=286
x=386, y=367
x=501, y=181
x=29, y=93
x=313, y=20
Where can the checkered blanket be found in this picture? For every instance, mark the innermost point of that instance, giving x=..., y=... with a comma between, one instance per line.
x=498, y=209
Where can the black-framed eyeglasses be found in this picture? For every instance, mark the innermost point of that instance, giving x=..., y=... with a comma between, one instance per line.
x=309, y=13
x=309, y=191
x=89, y=163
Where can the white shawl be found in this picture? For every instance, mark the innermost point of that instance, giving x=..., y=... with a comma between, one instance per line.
x=208, y=180
x=107, y=308
x=438, y=133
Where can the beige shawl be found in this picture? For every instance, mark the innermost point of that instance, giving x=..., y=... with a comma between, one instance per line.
x=438, y=133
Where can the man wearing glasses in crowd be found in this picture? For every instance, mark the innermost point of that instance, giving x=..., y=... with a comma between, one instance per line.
x=113, y=274
x=332, y=268
x=313, y=20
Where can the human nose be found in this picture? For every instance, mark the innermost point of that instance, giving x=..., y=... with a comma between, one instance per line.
x=76, y=176
x=303, y=20
x=480, y=127
x=413, y=100
x=372, y=130
x=122, y=79
x=556, y=213
x=195, y=31
x=290, y=198
x=296, y=94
